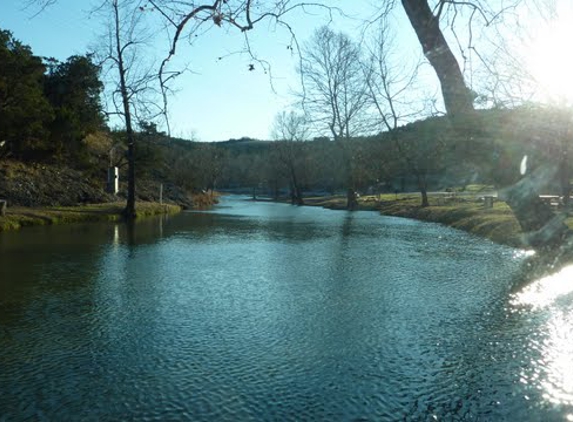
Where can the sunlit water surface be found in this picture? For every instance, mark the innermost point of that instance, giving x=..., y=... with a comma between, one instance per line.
x=259, y=311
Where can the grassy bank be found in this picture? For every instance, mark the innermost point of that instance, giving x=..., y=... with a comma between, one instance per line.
x=497, y=224
x=469, y=214
x=17, y=217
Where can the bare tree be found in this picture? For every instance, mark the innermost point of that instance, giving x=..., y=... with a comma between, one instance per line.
x=208, y=161
x=392, y=90
x=334, y=89
x=290, y=130
x=187, y=20
x=334, y=92
x=133, y=80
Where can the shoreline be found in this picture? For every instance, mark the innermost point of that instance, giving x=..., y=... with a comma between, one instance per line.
x=497, y=224
x=19, y=217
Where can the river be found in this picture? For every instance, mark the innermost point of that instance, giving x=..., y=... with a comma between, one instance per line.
x=268, y=312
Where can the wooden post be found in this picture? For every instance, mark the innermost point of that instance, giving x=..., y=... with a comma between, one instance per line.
x=161, y=194
x=488, y=202
x=3, y=204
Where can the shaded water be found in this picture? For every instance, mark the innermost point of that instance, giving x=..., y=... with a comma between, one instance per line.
x=259, y=311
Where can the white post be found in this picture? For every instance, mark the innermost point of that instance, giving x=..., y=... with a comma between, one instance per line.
x=113, y=180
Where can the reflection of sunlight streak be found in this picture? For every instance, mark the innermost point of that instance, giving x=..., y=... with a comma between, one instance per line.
x=558, y=360
x=553, y=371
x=116, y=235
x=545, y=291
x=518, y=254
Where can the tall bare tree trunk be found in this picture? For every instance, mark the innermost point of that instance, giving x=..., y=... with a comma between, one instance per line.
x=129, y=211
x=458, y=99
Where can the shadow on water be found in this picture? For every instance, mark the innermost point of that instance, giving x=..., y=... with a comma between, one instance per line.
x=62, y=259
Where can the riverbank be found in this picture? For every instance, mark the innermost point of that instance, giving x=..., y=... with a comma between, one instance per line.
x=54, y=193
x=18, y=217
x=469, y=214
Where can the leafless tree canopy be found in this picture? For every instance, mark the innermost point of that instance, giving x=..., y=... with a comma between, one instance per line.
x=334, y=88
x=290, y=126
x=391, y=81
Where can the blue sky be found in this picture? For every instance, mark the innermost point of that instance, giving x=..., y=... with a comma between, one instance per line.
x=220, y=99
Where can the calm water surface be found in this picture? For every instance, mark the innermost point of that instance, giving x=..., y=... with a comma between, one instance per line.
x=259, y=311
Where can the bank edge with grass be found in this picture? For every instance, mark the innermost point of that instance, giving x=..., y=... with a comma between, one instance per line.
x=18, y=217
x=497, y=224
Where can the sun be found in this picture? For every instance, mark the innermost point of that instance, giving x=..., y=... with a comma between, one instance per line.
x=550, y=59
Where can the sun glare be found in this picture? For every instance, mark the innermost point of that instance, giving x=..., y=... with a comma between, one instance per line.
x=553, y=371
x=550, y=59
x=547, y=290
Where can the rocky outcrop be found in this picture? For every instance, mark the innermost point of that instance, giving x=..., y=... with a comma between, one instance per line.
x=40, y=185
x=36, y=185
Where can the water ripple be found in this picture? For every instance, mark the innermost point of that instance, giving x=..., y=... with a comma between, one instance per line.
x=270, y=312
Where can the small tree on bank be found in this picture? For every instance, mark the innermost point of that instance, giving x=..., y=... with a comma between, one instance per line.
x=392, y=89
x=290, y=130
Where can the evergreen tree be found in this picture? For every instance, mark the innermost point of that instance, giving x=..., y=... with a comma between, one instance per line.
x=74, y=90
x=24, y=111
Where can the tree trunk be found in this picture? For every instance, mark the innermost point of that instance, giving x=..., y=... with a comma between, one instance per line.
x=535, y=217
x=425, y=202
x=422, y=185
x=129, y=211
x=458, y=99
x=276, y=190
x=351, y=200
x=296, y=190
x=564, y=176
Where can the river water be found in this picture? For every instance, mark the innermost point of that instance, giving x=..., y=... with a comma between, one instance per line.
x=268, y=312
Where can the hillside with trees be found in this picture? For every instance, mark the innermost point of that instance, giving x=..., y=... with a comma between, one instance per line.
x=53, y=123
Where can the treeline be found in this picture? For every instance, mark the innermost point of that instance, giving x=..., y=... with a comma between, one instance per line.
x=52, y=111
x=425, y=155
x=428, y=155
x=47, y=107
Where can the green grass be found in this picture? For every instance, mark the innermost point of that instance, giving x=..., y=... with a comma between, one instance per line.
x=17, y=217
x=497, y=224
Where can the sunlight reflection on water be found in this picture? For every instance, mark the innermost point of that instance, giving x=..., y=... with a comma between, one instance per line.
x=547, y=290
x=553, y=371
